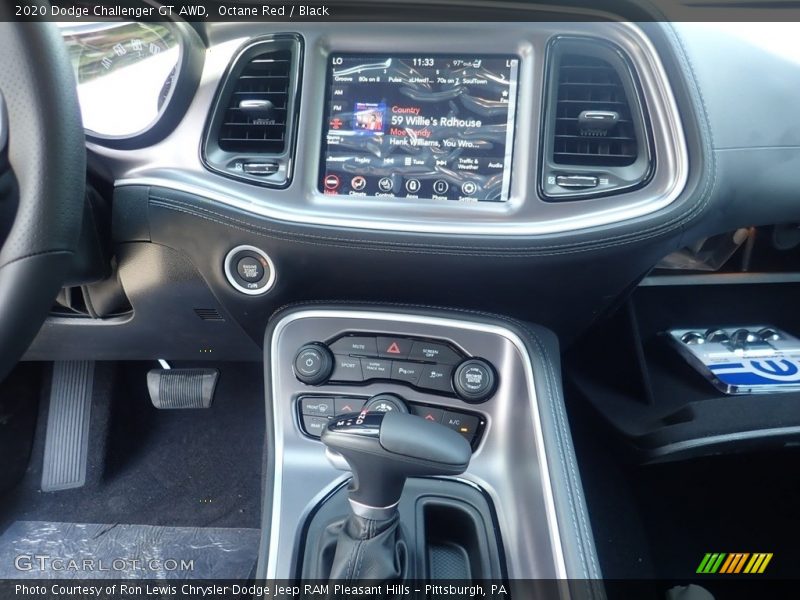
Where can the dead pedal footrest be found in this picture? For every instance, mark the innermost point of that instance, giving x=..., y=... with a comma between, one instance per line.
x=182, y=388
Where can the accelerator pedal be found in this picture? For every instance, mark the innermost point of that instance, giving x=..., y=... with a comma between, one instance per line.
x=67, y=439
x=182, y=388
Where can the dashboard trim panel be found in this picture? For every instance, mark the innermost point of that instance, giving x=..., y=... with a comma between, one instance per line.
x=519, y=488
x=284, y=159
x=525, y=213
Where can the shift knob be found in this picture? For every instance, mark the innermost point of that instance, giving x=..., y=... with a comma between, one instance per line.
x=384, y=449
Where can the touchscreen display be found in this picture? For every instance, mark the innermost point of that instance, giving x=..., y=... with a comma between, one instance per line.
x=428, y=127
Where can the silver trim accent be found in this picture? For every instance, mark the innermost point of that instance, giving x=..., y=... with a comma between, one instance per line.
x=3, y=124
x=745, y=278
x=255, y=105
x=216, y=160
x=519, y=486
x=723, y=438
x=376, y=513
x=525, y=213
x=228, y=268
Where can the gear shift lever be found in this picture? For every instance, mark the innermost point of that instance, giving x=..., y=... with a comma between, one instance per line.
x=383, y=450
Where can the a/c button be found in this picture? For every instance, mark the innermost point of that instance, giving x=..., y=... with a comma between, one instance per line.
x=466, y=425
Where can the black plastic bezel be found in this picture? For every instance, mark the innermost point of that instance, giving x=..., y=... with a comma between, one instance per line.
x=221, y=158
x=639, y=112
x=508, y=170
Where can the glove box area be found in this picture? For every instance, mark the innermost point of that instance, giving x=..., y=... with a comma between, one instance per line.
x=629, y=370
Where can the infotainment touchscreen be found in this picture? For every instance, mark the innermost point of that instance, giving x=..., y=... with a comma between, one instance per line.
x=427, y=127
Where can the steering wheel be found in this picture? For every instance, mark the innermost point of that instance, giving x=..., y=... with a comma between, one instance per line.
x=42, y=178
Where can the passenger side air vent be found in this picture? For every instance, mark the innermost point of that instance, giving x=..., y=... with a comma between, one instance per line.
x=251, y=132
x=255, y=117
x=593, y=116
x=596, y=140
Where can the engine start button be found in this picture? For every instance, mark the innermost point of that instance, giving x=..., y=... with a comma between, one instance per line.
x=249, y=270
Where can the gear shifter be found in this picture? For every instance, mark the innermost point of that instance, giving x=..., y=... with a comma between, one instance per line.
x=383, y=450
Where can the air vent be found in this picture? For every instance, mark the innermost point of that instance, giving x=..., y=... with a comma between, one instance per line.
x=209, y=314
x=594, y=124
x=257, y=107
x=596, y=140
x=251, y=132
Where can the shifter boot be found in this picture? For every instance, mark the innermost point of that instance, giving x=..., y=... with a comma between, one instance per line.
x=369, y=549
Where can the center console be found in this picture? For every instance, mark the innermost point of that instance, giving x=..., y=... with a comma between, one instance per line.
x=517, y=509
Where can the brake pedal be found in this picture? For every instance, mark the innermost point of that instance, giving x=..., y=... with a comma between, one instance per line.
x=67, y=439
x=182, y=388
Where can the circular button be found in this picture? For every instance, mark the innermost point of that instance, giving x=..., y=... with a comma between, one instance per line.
x=440, y=186
x=385, y=184
x=412, y=186
x=469, y=188
x=474, y=380
x=358, y=183
x=250, y=269
x=331, y=183
x=313, y=363
x=386, y=403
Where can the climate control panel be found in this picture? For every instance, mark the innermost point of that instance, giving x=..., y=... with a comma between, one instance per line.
x=314, y=412
x=431, y=365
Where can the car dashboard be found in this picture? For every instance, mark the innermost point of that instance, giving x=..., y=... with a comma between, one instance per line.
x=453, y=250
x=475, y=164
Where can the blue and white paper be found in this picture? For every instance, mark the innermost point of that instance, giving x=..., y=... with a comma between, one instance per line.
x=771, y=367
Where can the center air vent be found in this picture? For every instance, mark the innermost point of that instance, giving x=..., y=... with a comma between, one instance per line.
x=593, y=115
x=255, y=117
x=251, y=132
x=596, y=136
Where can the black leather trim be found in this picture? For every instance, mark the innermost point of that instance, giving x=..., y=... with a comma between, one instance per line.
x=48, y=160
x=509, y=246
x=46, y=141
x=368, y=550
x=542, y=345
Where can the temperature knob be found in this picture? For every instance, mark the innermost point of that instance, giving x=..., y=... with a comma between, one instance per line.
x=386, y=403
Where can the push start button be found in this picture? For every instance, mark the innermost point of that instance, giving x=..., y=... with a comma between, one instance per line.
x=249, y=270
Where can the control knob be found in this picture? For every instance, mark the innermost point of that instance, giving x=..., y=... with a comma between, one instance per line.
x=313, y=363
x=475, y=380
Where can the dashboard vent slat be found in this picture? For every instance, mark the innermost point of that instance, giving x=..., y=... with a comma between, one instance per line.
x=588, y=83
x=266, y=75
x=209, y=314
